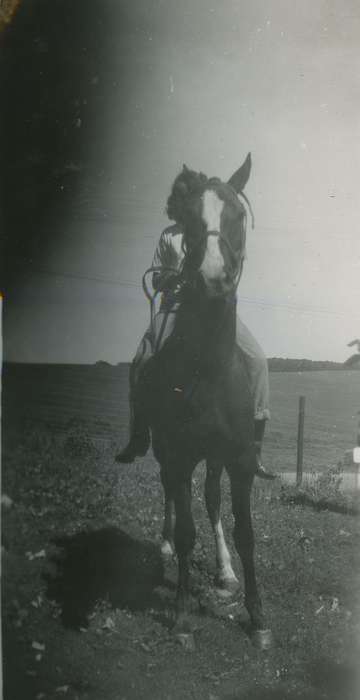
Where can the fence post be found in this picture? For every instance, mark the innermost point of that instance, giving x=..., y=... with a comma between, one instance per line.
x=300, y=441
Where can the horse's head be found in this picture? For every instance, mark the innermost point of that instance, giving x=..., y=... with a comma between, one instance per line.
x=213, y=217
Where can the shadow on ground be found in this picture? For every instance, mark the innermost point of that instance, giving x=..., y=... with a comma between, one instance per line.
x=103, y=565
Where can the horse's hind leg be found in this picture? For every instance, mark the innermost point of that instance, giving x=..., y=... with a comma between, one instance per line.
x=225, y=576
x=169, y=516
x=241, y=483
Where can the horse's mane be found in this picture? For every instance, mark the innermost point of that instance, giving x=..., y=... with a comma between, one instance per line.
x=187, y=187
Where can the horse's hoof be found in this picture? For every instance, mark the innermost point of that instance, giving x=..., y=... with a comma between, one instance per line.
x=186, y=640
x=166, y=550
x=183, y=632
x=262, y=639
x=223, y=594
x=185, y=623
x=226, y=588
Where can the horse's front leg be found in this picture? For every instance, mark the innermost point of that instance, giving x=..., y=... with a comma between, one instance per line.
x=241, y=477
x=225, y=576
x=184, y=538
x=169, y=516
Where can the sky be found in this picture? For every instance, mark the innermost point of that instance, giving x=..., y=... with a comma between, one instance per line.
x=108, y=119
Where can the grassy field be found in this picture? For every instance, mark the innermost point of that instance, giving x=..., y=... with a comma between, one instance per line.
x=53, y=395
x=332, y=412
x=86, y=599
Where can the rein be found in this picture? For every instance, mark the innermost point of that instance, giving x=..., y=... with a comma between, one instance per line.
x=237, y=259
x=152, y=299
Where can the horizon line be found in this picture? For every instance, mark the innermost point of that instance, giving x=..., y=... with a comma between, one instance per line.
x=125, y=362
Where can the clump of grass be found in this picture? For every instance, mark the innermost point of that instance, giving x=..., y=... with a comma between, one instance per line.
x=327, y=485
x=323, y=492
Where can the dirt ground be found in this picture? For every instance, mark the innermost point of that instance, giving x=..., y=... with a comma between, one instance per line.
x=88, y=604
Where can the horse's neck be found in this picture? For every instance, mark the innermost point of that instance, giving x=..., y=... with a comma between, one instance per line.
x=208, y=332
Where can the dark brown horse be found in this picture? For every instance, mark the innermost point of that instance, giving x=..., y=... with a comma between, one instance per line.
x=195, y=390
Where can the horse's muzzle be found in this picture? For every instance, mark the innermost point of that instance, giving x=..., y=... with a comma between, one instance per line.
x=217, y=287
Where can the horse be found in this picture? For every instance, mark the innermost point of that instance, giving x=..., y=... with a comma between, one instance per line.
x=195, y=392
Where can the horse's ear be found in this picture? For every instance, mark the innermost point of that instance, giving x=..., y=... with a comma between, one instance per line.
x=185, y=168
x=239, y=179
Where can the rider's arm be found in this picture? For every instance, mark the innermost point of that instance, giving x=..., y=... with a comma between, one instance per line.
x=165, y=257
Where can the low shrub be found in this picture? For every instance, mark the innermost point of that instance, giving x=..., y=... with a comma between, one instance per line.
x=323, y=492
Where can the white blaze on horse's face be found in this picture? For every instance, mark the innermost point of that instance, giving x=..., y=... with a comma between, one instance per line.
x=213, y=265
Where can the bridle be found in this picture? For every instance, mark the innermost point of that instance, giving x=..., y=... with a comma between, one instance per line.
x=183, y=282
x=238, y=258
x=237, y=264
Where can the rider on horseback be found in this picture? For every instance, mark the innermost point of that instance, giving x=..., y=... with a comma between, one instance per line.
x=167, y=262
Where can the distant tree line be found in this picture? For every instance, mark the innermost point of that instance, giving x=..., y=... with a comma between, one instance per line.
x=280, y=364
x=286, y=364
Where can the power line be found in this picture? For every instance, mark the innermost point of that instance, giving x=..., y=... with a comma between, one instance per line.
x=292, y=307
x=113, y=281
x=103, y=280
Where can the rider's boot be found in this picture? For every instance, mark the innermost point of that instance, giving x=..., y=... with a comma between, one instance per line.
x=261, y=472
x=139, y=442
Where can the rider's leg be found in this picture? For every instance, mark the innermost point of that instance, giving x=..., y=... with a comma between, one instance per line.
x=258, y=377
x=139, y=441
